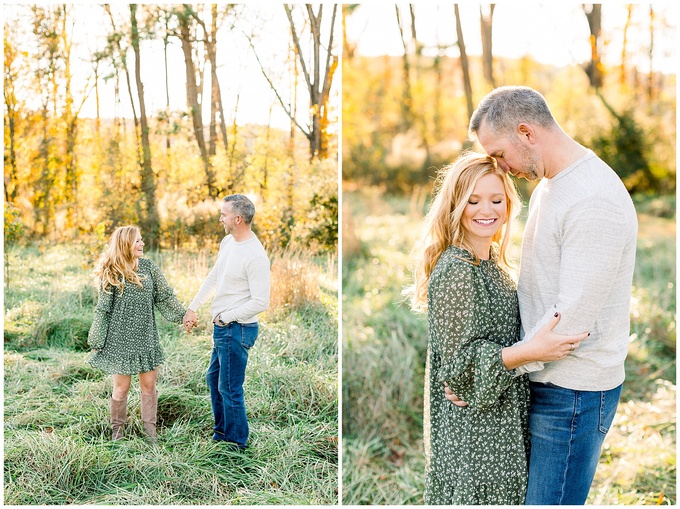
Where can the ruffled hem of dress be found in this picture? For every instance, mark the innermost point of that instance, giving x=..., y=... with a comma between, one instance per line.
x=512, y=491
x=128, y=363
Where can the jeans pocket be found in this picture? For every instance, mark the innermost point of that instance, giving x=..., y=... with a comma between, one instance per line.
x=248, y=334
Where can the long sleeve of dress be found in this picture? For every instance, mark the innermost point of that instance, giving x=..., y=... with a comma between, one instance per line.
x=96, y=338
x=164, y=297
x=460, y=321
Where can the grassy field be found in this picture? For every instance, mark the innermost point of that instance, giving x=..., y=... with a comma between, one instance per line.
x=56, y=433
x=384, y=347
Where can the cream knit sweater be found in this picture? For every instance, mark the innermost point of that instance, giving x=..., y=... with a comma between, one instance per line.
x=239, y=280
x=578, y=252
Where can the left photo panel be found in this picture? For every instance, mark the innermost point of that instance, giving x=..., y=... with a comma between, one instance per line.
x=171, y=254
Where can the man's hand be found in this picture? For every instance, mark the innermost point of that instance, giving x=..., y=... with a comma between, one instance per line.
x=448, y=394
x=190, y=320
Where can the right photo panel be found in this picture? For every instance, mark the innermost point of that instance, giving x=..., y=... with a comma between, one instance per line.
x=509, y=254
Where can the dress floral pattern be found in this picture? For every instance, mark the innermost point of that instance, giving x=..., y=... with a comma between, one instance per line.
x=124, y=329
x=476, y=454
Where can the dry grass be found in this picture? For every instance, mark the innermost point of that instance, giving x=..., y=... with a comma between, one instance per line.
x=295, y=279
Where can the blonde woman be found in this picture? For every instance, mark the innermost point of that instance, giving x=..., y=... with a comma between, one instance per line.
x=475, y=454
x=123, y=332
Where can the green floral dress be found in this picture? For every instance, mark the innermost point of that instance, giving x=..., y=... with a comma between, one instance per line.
x=476, y=454
x=123, y=330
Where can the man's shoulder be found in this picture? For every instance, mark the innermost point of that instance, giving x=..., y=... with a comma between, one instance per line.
x=591, y=180
x=254, y=243
x=251, y=247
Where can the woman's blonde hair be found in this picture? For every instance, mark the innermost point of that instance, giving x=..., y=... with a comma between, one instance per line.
x=443, y=226
x=118, y=263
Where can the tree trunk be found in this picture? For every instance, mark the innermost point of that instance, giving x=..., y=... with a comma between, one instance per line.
x=123, y=64
x=624, y=49
x=408, y=116
x=418, y=46
x=151, y=223
x=234, y=134
x=651, y=90
x=72, y=176
x=195, y=108
x=486, y=21
x=166, y=41
x=10, y=75
x=264, y=183
x=348, y=49
x=98, y=121
x=216, y=103
x=212, y=130
x=46, y=193
x=331, y=65
x=11, y=180
x=594, y=67
x=464, y=63
x=319, y=90
x=43, y=202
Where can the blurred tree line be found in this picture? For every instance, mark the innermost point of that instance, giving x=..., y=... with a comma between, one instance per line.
x=405, y=116
x=69, y=178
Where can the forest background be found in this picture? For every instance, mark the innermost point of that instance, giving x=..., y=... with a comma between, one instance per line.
x=149, y=114
x=405, y=115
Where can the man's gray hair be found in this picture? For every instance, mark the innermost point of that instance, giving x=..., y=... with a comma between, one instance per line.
x=505, y=108
x=242, y=206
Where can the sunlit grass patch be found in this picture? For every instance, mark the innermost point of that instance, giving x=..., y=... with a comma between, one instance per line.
x=638, y=462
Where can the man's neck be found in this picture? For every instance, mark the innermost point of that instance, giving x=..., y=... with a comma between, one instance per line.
x=567, y=153
x=243, y=234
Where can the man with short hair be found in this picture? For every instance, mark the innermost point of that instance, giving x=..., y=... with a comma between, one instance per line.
x=240, y=282
x=578, y=252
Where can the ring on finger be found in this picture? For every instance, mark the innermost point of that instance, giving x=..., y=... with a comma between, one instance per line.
x=572, y=346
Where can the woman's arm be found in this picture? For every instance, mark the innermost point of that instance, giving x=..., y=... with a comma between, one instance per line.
x=96, y=337
x=459, y=316
x=164, y=296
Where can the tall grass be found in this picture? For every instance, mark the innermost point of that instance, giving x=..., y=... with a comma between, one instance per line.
x=57, y=447
x=384, y=347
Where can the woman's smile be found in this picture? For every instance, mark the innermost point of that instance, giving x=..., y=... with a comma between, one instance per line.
x=486, y=222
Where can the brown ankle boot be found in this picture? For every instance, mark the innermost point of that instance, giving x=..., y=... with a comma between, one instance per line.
x=118, y=416
x=149, y=415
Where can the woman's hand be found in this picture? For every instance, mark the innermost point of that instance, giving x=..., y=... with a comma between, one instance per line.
x=546, y=346
x=448, y=394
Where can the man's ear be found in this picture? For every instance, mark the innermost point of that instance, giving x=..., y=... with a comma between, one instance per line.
x=527, y=131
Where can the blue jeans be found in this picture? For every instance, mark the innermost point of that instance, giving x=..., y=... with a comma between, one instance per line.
x=567, y=430
x=225, y=377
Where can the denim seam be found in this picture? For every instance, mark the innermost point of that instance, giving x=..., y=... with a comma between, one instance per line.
x=229, y=382
x=574, y=413
x=602, y=411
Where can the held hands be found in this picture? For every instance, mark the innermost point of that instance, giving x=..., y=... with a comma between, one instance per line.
x=190, y=320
